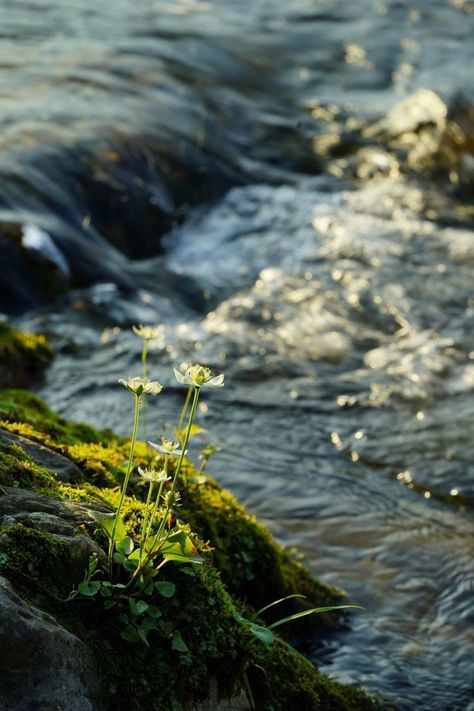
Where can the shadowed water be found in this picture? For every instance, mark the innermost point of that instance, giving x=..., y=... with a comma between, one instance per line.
x=170, y=154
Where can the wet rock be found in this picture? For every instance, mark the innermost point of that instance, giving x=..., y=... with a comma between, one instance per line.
x=60, y=467
x=14, y=500
x=32, y=277
x=44, y=667
x=413, y=128
x=52, y=516
x=420, y=110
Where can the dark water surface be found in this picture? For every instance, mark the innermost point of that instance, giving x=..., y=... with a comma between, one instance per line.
x=237, y=173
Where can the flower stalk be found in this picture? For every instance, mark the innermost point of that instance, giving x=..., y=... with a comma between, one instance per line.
x=186, y=437
x=127, y=477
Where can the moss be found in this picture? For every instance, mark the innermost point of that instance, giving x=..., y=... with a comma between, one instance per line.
x=21, y=406
x=17, y=469
x=101, y=455
x=245, y=570
x=158, y=678
x=36, y=560
x=202, y=611
x=23, y=356
x=253, y=565
x=281, y=681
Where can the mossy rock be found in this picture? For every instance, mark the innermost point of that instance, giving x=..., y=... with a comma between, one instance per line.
x=23, y=356
x=243, y=569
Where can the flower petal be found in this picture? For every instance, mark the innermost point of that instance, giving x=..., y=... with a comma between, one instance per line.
x=216, y=382
x=179, y=376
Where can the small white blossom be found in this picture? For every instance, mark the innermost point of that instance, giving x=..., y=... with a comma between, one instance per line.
x=141, y=386
x=198, y=376
x=148, y=333
x=151, y=474
x=167, y=447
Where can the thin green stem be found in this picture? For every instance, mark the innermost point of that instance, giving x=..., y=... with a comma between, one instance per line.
x=144, y=358
x=127, y=477
x=162, y=525
x=157, y=500
x=145, y=519
x=161, y=528
x=185, y=408
x=186, y=439
x=142, y=565
x=145, y=372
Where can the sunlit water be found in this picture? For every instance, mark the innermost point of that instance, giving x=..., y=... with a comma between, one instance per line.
x=341, y=316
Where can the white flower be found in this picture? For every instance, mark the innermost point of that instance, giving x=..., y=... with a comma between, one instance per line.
x=167, y=447
x=151, y=474
x=148, y=333
x=199, y=377
x=141, y=386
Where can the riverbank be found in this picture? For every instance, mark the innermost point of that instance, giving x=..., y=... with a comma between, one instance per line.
x=52, y=473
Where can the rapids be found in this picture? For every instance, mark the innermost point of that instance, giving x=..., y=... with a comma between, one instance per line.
x=252, y=176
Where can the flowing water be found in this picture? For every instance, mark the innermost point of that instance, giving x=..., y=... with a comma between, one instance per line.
x=241, y=173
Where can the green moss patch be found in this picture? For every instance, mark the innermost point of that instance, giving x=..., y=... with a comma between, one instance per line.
x=23, y=356
x=243, y=569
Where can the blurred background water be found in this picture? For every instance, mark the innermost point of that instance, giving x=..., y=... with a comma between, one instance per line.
x=287, y=188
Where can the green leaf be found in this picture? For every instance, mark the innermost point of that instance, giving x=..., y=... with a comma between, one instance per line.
x=128, y=565
x=181, y=558
x=277, y=602
x=165, y=588
x=147, y=587
x=143, y=634
x=153, y=611
x=313, y=611
x=180, y=548
x=178, y=643
x=149, y=624
x=125, y=546
x=130, y=634
x=108, y=604
x=262, y=633
x=137, y=607
x=106, y=520
x=90, y=588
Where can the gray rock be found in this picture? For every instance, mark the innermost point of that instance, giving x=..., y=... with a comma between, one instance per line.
x=43, y=667
x=20, y=501
x=19, y=506
x=60, y=467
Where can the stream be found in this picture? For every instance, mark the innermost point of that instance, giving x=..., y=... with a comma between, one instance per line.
x=264, y=180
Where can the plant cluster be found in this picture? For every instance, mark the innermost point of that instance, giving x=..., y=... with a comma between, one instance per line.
x=130, y=583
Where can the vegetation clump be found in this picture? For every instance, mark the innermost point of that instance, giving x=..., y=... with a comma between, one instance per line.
x=166, y=584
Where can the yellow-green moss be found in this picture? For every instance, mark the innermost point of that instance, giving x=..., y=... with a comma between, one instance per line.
x=22, y=407
x=23, y=356
x=18, y=469
x=245, y=570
